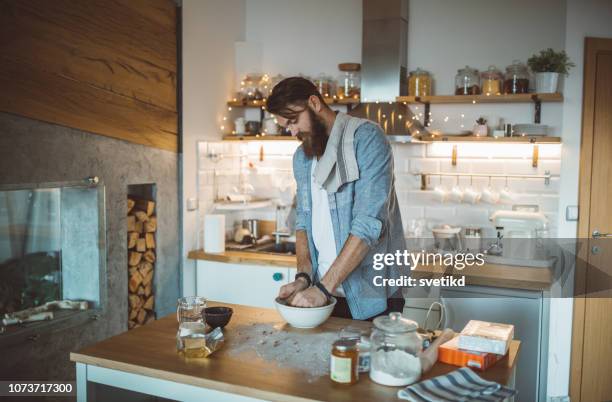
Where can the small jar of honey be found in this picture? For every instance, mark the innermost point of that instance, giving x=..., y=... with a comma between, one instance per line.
x=344, y=361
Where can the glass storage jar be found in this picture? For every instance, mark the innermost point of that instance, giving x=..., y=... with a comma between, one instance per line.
x=467, y=81
x=491, y=81
x=419, y=83
x=344, y=361
x=190, y=309
x=516, y=80
x=350, y=80
x=324, y=85
x=251, y=87
x=394, y=349
x=191, y=331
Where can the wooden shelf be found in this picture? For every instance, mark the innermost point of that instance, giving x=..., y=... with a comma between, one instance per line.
x=502, y=140
x=258, y=137
x=466, y=99
x=262, y=103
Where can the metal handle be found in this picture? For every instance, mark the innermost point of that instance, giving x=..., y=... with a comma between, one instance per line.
x=597, y=234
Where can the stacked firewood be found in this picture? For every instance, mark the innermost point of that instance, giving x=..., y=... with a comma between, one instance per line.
x=141, y=226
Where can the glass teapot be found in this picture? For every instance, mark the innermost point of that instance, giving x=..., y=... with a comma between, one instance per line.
x=394, y=351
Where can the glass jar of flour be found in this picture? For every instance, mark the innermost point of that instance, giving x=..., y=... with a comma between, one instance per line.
x=394, y=349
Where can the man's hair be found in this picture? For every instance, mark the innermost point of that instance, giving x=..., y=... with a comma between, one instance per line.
x=292, y=91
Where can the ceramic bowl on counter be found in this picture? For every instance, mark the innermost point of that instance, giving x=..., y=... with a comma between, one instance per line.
x=217, y=317
x=303, y=317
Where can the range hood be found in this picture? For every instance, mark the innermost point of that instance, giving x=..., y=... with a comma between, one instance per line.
x=384, y=69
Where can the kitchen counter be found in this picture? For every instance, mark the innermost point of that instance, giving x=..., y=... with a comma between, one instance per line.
x=246, y=257
x=497, y=275
x=145, y=360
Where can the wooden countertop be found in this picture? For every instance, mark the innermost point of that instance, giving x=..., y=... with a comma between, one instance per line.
x=245, y=257
x=497, y=275
x=150, y=350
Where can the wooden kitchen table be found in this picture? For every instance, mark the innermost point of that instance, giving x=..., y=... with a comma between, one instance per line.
x=145, y=360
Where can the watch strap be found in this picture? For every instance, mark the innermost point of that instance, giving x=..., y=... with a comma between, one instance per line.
x=324, y=290
x=305, y=276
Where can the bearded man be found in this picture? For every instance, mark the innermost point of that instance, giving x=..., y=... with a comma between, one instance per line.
x=347, y=209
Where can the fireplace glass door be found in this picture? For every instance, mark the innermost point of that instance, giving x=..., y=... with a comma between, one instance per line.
x=52, y=244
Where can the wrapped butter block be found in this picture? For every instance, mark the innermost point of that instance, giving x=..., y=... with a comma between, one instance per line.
x=489, y=337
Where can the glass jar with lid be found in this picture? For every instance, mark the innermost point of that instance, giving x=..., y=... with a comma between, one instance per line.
x=324, y=85
x=516, y=80
x=350, y=81
x=251, y=87
x=419, y=83
x=467, y=81
x=491, y=81
x=344, y=361
x=394, y=349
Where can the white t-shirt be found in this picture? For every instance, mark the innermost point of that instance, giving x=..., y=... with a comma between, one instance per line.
x=322, y=229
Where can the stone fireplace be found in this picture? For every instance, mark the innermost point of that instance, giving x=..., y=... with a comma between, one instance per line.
x=52, y=255
x=32, y=151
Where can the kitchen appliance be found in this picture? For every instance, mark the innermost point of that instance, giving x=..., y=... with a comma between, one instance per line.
x=384, y=74
x=447, y=239
x=521, y=233
x=472, y=239
x=253, y=226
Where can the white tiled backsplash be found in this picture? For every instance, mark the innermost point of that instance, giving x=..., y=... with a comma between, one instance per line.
x=483, y=158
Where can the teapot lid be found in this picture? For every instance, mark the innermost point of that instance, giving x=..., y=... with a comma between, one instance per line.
x=395, y=323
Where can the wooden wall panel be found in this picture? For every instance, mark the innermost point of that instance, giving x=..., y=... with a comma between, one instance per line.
x=104, y=66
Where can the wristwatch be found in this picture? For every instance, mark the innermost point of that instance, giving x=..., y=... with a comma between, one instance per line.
x=305, y=276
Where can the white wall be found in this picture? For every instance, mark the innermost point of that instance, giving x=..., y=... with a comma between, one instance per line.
x=210, y=29
x=306, y=37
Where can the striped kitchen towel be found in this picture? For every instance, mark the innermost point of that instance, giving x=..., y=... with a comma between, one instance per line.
x=457, y=386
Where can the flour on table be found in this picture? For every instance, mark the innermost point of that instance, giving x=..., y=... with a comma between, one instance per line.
x=301, y=351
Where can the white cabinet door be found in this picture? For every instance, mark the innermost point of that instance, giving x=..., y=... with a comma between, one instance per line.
x=252, y=285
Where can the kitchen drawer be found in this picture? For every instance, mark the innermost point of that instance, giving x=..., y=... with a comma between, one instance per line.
x=251, y=285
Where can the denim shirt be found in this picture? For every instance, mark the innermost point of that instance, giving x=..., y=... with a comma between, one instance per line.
x=366, y=208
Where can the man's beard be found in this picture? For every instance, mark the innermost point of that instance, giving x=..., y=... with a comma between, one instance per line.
x=315, y=141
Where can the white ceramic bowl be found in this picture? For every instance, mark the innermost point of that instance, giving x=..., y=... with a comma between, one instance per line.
x=303, y=317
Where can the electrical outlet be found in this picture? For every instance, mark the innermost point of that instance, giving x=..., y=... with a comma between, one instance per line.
x=571, y=213
x=192, y=204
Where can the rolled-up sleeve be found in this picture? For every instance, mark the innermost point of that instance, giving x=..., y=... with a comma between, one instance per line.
x=373, y=188
x=300, y=215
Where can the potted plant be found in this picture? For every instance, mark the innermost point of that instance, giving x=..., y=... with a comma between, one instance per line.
x=480, y=128
x=547, y=66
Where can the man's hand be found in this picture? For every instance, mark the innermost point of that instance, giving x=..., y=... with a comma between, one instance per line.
x=312, y=297
x=289, y=290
